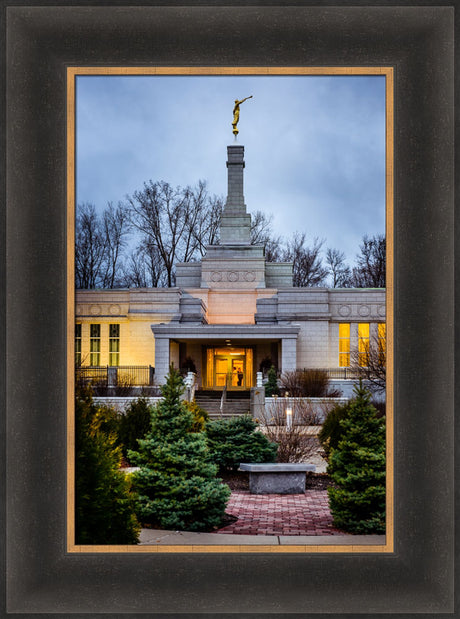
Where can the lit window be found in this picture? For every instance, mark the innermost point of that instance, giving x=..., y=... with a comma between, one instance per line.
x=78, y=344
x=344, y=344
x=363, y=344
x=114, y=345
x=95, y=345
x=382, y=336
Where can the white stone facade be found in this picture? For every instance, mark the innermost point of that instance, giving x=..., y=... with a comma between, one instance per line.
x=231, y=301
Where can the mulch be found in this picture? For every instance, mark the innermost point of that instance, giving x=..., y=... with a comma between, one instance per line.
x=239, y=480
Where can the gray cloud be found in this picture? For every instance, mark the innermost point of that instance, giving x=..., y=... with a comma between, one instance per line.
x=315, y=146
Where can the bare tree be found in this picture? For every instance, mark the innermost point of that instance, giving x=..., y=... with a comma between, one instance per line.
x=370, y=271
x=164, y=217
x=144, y=268
x=295, y=439
x=307, y=265
x=338, y=270
x=261, y=228
x=135, y=274
x=370, y=364
x=115, y=229
x=90, y=247
x=206, y=224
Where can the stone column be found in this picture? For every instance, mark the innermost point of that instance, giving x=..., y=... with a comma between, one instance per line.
x=288, y=354
x=235, y=227
x=161, y=359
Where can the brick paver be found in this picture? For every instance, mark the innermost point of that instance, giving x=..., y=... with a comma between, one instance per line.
x=280, y=514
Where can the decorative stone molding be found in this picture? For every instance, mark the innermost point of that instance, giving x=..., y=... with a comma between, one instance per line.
x=382, y=311
x=344, y=310
x=95, y=310
x=364, y=310
x=115, y=310
x=233, y=276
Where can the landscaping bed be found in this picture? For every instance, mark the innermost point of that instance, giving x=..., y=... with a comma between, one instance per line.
x=239, y=480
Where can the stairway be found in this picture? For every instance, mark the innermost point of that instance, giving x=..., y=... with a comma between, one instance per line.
x=237, y=403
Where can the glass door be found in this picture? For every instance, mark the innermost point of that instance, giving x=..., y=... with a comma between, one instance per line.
x=230, y=367
x=220, y=371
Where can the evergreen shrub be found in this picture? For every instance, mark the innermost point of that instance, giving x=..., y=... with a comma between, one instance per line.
x=104, y=505
x=357, y=466
x=332, y=429
x=236, y=440
x=176, y=484
x=200, y=416
x=271, y=386
x=134, y=424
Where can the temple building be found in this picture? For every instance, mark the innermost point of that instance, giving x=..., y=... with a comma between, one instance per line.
x=228, y=313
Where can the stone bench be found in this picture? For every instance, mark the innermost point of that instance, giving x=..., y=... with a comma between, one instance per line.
x=277, y=478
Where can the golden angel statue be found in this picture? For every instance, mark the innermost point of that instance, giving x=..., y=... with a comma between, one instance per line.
x=236, y=114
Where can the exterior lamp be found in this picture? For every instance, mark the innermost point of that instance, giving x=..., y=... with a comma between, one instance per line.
x=289, y=418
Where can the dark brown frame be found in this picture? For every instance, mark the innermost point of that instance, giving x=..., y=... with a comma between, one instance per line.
x=42, y=578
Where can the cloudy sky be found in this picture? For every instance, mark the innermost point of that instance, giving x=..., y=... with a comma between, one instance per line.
x=314, y=146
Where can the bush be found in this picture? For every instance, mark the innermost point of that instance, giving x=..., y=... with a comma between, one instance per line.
x=104, y=506
x=134, y=424
x=200, y=416
x=308, y=383
x=176, y=483
x=271, y=386
x=107, y=419
x=236, y=440
x=332, y=429
x=295, y=442
x=357, y=466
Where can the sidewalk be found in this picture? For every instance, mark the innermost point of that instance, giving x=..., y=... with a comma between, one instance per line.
x=280, y=514
x=275, y=519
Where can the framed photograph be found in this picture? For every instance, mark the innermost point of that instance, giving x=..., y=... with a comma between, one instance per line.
x=203, y=292
x=53, y=55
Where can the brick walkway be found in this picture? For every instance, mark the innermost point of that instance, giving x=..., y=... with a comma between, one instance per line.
x=278, y=514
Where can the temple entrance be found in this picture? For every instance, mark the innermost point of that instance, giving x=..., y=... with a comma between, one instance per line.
x=229, y=367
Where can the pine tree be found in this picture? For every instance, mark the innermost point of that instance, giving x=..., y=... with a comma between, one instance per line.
x=176, y=484
x=104, y=506
x=357, y=466
x=271, y=387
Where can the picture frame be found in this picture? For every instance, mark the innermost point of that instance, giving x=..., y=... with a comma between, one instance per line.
x=342, y=543
x=42, y=576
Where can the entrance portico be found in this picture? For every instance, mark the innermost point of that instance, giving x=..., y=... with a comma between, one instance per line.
x=225, y=350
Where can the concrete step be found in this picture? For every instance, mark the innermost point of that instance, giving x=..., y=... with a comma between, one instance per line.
x=232, y=408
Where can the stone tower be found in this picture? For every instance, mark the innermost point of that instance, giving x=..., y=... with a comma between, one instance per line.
x=235, y=226
x=234, y=264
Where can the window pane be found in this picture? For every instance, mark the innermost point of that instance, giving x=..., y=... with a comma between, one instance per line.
x=363, y=329
x=114, y=330
x=344, y=345
x=78, y=330
x=95, y=330
x=344, y=329
x=114, y=359
x=344, y=360
x=114, y=345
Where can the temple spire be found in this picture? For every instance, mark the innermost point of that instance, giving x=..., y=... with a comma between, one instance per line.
x=235, y=227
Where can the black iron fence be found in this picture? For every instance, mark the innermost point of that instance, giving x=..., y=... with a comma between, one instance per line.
x=117, y=376
x=341, y=373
